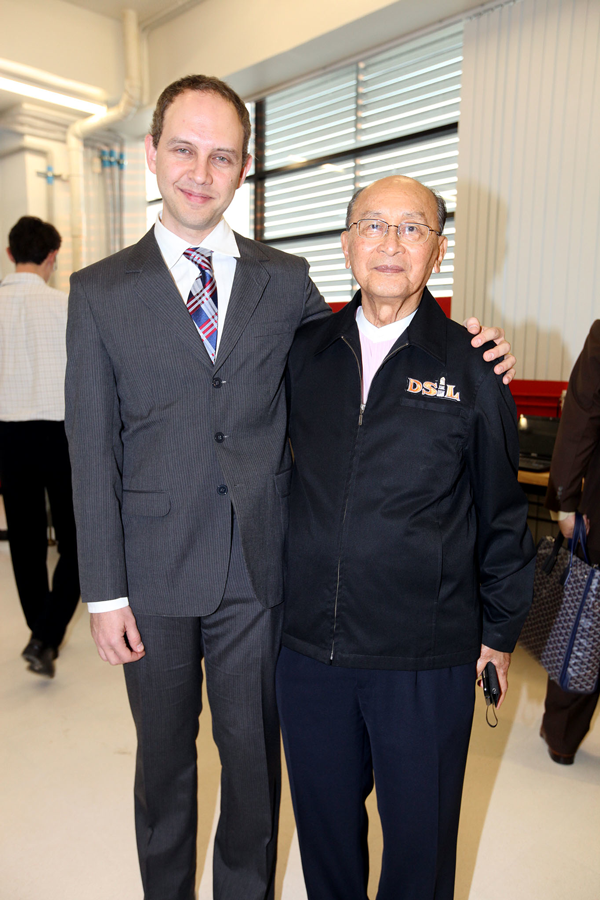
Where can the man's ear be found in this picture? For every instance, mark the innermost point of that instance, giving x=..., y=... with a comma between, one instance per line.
x=344, y=240
x=150, y=153
x=443, y=247
x=245, y=169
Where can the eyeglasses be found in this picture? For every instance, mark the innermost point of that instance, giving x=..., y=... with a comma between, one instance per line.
x=408, y=232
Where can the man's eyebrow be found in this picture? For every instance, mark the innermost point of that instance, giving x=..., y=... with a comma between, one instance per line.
x=406, y=216
x=182, y=141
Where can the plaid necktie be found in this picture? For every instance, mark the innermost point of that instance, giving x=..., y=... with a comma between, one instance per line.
x=202, y=299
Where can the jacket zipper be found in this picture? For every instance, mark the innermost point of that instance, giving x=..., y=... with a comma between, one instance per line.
x=360, y=421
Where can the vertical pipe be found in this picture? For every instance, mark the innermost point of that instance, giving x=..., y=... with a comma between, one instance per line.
x=126, y=107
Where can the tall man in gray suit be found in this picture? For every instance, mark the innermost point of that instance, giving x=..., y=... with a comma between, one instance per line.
x=176, y=420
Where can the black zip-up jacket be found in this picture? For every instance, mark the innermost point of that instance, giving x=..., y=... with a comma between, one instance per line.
x=408, y=542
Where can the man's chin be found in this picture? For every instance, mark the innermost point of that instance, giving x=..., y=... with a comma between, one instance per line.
x=184, y=220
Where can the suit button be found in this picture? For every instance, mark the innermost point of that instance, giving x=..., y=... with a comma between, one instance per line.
x=216, y=382
x=219, y=437
x=222, y=489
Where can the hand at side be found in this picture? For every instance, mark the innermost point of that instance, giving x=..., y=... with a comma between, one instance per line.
x=501, y=661
x=116, y=636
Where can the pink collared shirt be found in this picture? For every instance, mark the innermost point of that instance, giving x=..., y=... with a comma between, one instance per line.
x=375, y=344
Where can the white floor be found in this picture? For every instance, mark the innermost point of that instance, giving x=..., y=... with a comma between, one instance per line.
x=530, y=829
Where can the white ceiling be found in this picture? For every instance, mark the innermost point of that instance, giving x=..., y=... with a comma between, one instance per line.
x=113, y=8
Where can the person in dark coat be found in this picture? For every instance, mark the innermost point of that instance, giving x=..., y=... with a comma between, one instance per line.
x=409, y=561
x=576, y=457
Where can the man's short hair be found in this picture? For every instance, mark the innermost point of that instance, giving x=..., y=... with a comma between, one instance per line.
x=442, y=212
x=203, y=84
x=31, y=240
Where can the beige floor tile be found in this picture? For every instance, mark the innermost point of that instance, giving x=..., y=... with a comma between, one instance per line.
x=530, y=829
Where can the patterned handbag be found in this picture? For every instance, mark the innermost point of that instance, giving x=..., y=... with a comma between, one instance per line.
x=562, y=630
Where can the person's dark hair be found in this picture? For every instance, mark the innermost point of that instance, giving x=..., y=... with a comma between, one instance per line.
x=203, y=84
x=31, y=240
x=442, y=212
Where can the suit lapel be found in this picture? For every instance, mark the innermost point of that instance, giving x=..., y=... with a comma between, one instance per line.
x=158, y=291
x=249, y=283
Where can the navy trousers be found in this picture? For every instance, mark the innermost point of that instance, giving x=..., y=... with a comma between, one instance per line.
x=409, y=732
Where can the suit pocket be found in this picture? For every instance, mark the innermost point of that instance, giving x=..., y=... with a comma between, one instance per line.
x=146, y=503
x=268, y=328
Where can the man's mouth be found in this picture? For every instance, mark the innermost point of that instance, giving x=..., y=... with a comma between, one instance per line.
x=389, y=270
x=195, y=196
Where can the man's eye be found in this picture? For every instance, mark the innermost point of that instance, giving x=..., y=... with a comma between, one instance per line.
x=181, y=151
x=375, y=227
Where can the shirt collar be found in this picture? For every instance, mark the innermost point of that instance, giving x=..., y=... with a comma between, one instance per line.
x=22, y=277
x=220, y=240
x=386, y=333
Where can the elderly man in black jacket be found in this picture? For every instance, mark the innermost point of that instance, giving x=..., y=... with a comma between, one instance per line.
x=410, y=565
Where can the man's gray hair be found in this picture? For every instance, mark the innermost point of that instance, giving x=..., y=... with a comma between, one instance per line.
x=442, y=212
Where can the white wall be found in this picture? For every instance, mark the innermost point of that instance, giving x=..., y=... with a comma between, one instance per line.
x=528, y=213
x=65, y=40
x=260, y=44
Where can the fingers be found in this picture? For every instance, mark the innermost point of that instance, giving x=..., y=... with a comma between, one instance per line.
x=506, y=366
x=501, y=661
x=484, y=334
x=116, y=636
x=473, y=326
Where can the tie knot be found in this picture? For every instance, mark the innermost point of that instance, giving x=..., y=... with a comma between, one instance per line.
x=201, y=258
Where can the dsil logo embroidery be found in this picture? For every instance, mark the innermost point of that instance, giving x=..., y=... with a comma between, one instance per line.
x=433, y=389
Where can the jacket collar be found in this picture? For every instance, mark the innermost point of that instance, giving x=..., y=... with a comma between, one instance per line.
x=158, y=291
x=428, y=329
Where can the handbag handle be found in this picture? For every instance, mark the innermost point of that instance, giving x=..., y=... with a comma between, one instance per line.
x=551, y=561
x=579, y=536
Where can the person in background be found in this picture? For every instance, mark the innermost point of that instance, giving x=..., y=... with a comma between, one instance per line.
x=34, y=455
x=576, y=457
x=409, y=562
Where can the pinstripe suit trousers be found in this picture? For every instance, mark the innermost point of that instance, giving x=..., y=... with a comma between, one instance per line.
x=239, y=643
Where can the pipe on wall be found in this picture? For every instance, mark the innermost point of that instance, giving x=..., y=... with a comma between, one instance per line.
x=125, y=108
x=48, y=80
x=38, y=145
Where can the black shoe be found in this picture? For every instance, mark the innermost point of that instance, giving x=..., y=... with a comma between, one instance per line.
x=40, y=657
x=563, y=759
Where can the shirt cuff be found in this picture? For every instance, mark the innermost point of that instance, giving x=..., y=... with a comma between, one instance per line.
x=101, y=606
x=560, y=516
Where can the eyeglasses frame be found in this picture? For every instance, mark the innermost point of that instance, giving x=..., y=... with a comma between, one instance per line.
x=388, y=226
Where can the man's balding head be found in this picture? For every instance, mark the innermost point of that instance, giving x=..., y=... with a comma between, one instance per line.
x=442, y=212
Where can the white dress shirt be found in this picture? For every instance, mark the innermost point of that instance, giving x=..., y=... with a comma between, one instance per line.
x=184, y=272
x=224, y=248
x=33, y=353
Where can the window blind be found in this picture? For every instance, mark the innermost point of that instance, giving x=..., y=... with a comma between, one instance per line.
x=401, y=91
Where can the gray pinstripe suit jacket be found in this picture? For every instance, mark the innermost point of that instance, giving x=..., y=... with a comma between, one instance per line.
x=157, y=433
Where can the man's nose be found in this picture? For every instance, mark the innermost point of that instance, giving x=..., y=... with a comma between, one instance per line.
x=391, y=243
x=201, y=172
